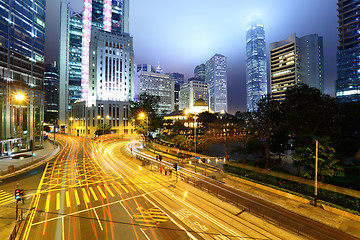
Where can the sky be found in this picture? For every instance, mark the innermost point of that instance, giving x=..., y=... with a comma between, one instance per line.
x=181, y=34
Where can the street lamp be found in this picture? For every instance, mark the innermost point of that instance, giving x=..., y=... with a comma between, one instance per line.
x=142, y=116
x=187, y=112
x=19, y=97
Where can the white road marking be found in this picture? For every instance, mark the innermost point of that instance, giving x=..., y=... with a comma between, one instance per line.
x=97, y=217
x=125, y=209
x=144, y=234
x=177, y=224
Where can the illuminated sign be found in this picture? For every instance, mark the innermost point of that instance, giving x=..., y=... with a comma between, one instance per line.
x=107, y=15
x=86, y=34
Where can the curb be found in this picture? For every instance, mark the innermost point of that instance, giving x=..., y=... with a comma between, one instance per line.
x=37, y=163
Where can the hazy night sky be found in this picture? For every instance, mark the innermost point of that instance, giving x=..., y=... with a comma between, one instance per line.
x=182, y=34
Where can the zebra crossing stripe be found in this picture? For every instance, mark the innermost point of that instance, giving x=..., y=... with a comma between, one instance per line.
x=101, y=192
x=109, y=190
x=86, y=197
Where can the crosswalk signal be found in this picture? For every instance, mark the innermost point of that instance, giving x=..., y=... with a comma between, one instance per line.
x=17, y=195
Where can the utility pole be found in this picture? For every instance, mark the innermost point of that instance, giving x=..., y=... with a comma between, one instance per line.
x=195, y=139
x=316, y=171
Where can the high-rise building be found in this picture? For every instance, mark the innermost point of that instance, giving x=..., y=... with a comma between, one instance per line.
x=216, y=77
x=256, y=74
x=111, y=66
x=51, y=90
x=192, y=91
x=296, y=60
x=178, y=79
x=199, y=72
x=75, y=71
x=144, y=68
x=156, y=84
x=347, y=86
x=22, y=38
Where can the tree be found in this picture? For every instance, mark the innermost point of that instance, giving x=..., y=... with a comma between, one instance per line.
x=265, y=122
x=224, y=130
x=308, y=113
x=103, y=129
x=328, y=164
x=148, y=105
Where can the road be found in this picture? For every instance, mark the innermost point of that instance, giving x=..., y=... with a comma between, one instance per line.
x=95, y=192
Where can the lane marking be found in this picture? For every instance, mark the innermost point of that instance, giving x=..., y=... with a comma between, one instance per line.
x=100, y=206
x=98, y=219
x=101, y=192
x=57, y=201
x=126, y=209
x=116, y=189
x=67, y=199
x=109, y=190
x=77, y=197
x=93, y=193
x=144, y=234
x=123, y=187
x=86, y=197
x=63, y=227
x=47, y=206
x=131, y=186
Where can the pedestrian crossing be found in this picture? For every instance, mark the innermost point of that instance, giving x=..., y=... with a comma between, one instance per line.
x=71, y=197
x=6, y=197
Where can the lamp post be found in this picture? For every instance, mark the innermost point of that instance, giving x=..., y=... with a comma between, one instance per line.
x=187, y=112
x=107, y=117
x=142, y=116
x=19, y=97
x=316, y=171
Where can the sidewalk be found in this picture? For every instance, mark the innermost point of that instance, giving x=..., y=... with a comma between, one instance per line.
x=28, y=163
x=293, y=204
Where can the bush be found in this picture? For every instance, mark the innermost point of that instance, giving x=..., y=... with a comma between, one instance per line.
x=339, y=199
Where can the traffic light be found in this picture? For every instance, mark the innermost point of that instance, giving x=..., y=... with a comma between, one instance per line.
x=17, y=195
x=175, y=166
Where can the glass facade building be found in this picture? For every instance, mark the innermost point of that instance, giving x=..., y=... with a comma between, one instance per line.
x=199, y=72
x=51, y=90
x=178, y=80
x=296, y=60
x=22, y=38
x=256, y=73
x=216, y=78
x=347, y=86
x=75, y=36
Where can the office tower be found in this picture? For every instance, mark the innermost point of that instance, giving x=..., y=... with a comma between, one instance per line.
x=144, y=68
x=199, y=72
x=216, y=77
x=178, y=79
x=22, y=38
x=111, y=66
x=347, y=86
x=75, y=37
x=192, y=91
x=156, y=84
x=296, y=60
x=256, y=74
x=51, y=90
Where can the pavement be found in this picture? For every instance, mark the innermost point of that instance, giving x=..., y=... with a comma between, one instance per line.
x=28, y=163
x=318, y=214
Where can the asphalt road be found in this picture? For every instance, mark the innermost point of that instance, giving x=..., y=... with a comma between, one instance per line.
x=95, y=191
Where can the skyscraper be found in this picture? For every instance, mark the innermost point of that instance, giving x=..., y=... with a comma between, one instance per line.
x=347, y=86
x=192, y=91
x=156, y=84
x=51, y=90
x=216, y=77
x=199, y=72
x=256, y=74
x=296, y=60
x=22, y=38
x=178, y=79
x=75, y=35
